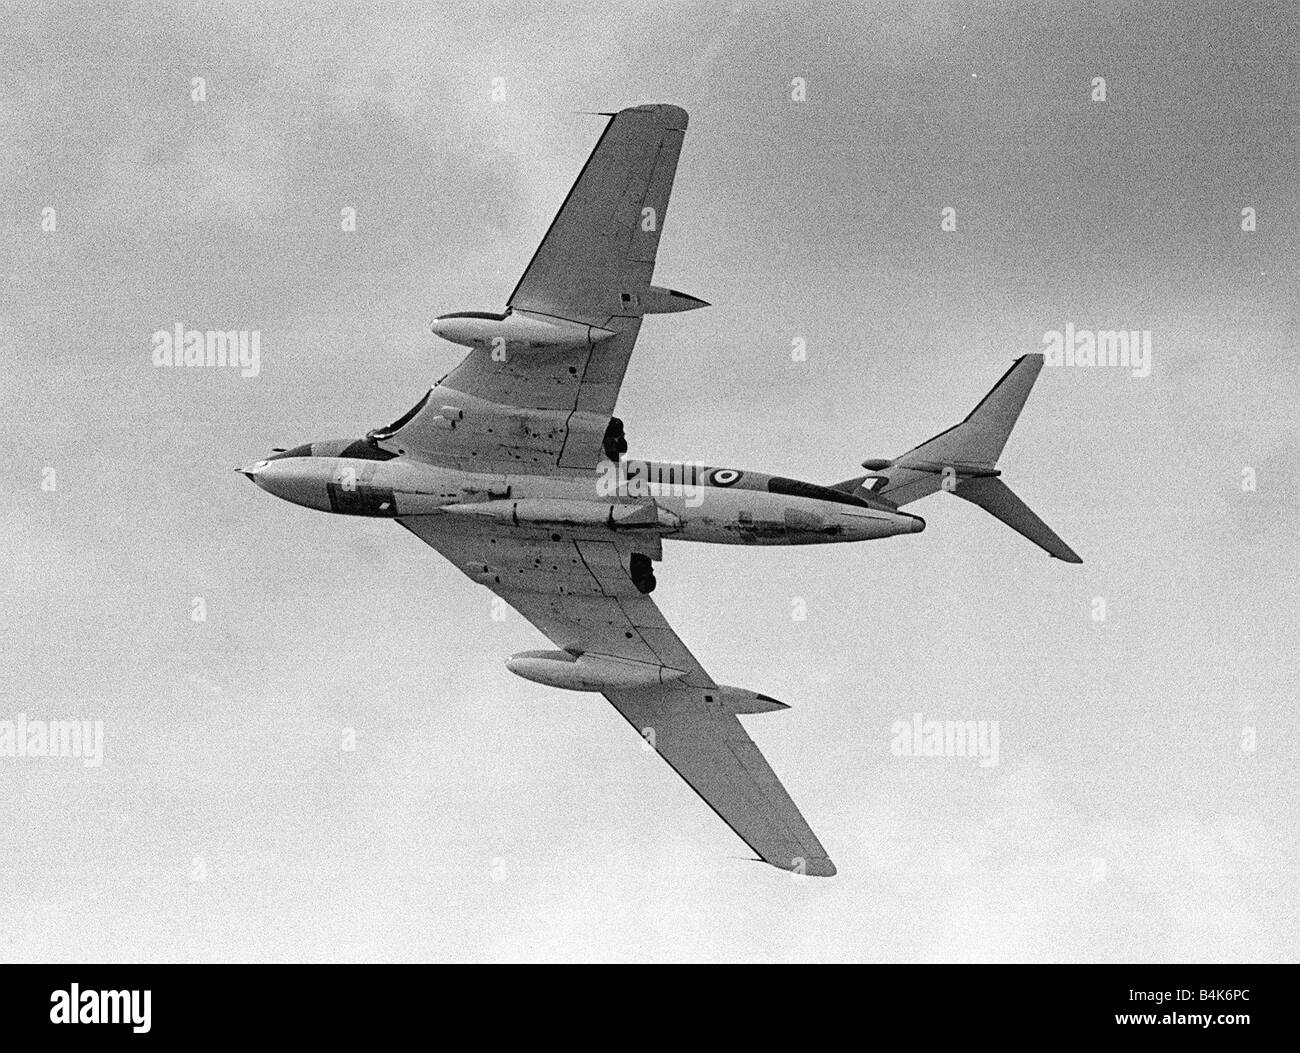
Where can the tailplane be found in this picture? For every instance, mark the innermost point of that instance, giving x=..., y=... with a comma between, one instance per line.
x=963, y=461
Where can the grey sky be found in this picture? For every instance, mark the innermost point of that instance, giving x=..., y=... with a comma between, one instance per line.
x=484, y=817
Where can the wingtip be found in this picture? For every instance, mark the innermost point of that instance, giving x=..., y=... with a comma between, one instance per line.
x=817, y=868
x=802, y=867
x=677, y=117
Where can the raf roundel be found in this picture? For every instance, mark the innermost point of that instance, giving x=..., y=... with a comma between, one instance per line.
x=724, y=476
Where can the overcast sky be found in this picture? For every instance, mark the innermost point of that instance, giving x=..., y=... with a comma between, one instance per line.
x=1144, y=801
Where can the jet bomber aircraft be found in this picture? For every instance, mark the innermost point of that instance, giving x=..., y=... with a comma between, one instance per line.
x=513, y=467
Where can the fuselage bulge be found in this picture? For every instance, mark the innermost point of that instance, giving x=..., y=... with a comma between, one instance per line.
x=673, y=500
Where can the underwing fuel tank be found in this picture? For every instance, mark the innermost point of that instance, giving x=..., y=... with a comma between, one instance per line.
x=515, y=330
x=588, y=672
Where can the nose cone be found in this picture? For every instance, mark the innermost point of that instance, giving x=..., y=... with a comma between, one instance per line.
x=298, y=480
x=252, y=470
x=915, y=523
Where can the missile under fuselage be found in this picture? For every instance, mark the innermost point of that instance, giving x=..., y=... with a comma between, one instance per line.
x=569, y=513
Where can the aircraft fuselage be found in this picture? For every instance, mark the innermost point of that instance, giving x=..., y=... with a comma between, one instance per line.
x=674, y=500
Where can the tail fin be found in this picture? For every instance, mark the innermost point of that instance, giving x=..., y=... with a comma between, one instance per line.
x=979, y=439
x=963, y=460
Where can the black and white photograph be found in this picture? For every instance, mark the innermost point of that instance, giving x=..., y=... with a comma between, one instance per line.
x=612, y=482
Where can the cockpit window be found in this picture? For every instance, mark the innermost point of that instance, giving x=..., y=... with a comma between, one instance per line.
x=365, y=450
x=297, y=451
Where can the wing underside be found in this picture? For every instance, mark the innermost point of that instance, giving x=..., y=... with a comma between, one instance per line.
x=706, y=745
x=597, y=259
x=549, y=407
x=578, y=592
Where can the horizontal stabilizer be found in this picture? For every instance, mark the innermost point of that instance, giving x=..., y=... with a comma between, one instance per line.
x=963, y=459
x=998, y=499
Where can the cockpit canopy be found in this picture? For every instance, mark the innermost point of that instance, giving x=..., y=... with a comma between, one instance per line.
x=360, y=449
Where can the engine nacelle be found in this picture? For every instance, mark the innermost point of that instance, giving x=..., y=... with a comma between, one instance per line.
x=514, y=331
x=588, y=672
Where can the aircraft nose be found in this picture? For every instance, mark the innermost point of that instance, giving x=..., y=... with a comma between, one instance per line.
x=299, y=480
x=250, y=472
